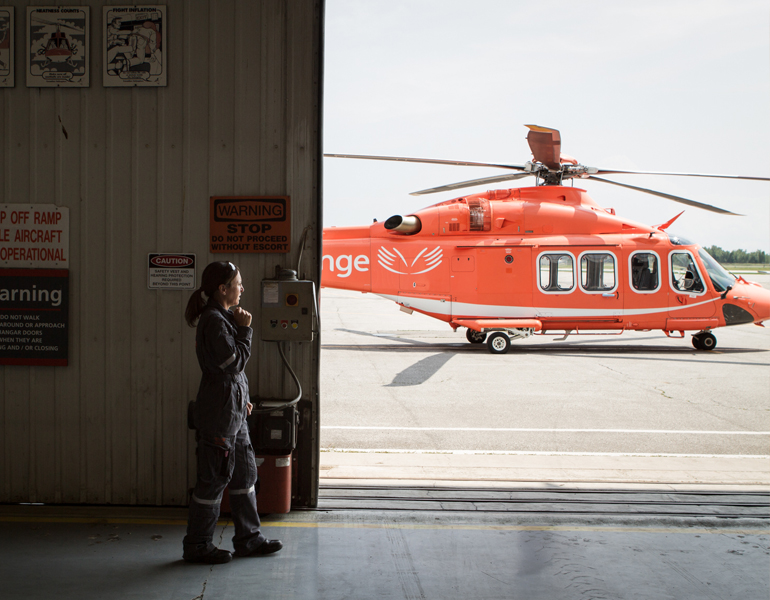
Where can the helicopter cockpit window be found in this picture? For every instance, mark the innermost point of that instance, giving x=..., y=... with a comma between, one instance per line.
x=597, y=272
x=684, y=274
x=645, y=272
x=721, y=279
x=556, y=273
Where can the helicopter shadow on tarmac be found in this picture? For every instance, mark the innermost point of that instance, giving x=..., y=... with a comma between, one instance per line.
x=419, y=372
x=415, y=374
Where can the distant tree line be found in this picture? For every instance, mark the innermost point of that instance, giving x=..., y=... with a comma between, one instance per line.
x=738, y=256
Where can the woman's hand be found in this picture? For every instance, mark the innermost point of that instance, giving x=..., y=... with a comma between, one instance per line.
x=242, y=317
x=249, y=406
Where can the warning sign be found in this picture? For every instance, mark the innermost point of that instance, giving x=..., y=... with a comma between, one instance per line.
x=34, y=235
x=34, y=317
x=253, y=224
x=171, y=271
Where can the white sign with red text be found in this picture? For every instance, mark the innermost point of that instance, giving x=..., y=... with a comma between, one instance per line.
x=36, y=235
x=171, y=271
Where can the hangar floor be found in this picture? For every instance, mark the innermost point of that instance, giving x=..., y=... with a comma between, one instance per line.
x=412, y=540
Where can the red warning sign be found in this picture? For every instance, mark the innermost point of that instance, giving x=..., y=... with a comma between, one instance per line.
x=250, y=224
x=34, y=236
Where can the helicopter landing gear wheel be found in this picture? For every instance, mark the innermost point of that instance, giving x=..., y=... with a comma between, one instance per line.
x=475, y=337
x=704, y=341
x=498, y=343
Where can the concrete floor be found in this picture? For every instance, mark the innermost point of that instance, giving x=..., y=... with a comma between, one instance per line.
x=105, y=553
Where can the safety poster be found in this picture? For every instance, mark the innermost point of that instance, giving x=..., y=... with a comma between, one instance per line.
x=34, y=313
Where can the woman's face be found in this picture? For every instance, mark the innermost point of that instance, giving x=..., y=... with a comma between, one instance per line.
x=232, y=292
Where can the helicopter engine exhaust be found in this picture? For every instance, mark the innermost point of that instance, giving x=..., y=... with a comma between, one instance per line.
x=405, y=225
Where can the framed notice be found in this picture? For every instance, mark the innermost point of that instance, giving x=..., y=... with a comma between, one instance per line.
x=6, y=46
x=170, y=271
x=250, y=224
x=134, y=49
x=34, y=236
x=57, y=46
x=34, y=314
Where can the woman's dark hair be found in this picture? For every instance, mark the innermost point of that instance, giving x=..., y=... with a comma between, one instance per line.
x=214, y=275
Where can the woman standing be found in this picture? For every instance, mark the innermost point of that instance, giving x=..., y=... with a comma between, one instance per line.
x=225, y=455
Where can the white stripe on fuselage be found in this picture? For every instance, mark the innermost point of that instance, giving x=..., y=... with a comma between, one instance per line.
x=448, y=308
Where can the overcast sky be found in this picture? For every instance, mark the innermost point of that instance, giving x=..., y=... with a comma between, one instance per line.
x=674, y=85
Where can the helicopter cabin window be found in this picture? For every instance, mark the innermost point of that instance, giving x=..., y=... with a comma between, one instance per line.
x=685, y=277
x=597, y=272
x=645, y=272
x=557, y=272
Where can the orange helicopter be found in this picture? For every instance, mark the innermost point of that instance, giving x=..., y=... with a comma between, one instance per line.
x=508, y=264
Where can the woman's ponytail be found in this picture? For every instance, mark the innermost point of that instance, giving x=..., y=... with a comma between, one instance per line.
x=195, y=306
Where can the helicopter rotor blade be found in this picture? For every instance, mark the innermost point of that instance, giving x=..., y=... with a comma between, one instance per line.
x=432, y=161
x=471, y=183
x=679, y=199
x=746, y=177
x=545, y=144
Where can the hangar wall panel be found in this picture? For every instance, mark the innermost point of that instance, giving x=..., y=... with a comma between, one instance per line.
x=136, y=167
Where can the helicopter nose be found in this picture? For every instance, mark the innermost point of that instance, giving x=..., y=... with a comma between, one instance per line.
x=747, y=303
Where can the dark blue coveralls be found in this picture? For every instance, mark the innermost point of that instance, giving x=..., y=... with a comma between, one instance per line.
x=224, y=449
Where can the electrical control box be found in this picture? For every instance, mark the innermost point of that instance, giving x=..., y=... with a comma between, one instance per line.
x=288, y=310
x=273, y=433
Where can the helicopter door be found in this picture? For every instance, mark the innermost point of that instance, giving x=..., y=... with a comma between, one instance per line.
x=598, y=276
x=491, y=281
x=687, y=287
x=462, y=281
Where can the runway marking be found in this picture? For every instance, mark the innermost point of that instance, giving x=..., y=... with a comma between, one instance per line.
x=543, y=430
x=537, y=453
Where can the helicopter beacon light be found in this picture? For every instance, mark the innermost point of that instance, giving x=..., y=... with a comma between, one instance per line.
x=405, y=225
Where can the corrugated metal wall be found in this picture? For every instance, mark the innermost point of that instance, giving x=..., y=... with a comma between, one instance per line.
x=136, y=167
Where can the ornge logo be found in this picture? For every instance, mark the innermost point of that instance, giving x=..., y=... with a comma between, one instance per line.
x=425, y=261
